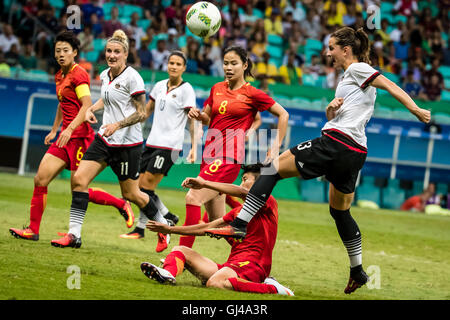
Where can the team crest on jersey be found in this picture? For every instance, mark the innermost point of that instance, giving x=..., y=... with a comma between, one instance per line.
x=117, y=86
x=174, y=95
x=241, y=97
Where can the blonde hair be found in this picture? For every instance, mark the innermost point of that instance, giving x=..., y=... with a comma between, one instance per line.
x=120, y=37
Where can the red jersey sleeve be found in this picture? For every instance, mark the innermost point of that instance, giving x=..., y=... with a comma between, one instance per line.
x=80, y=76
x=230, y=216
x=261, y=100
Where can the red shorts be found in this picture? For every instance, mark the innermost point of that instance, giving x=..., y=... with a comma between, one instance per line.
x=219, y=172
x=72, y=152
x=247, y=270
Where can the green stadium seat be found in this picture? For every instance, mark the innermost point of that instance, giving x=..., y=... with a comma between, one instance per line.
x=393, y=195
x=313, y=44
x=312, y=190
x=445, y=95
x=309, y=80
x=107, y=6
x=99, y=44
x=386, y=7
x=125, y=20
x=274, y=39
x=92, y=56
x=445, y=70
x=392, y=76
x=182, y=41
x=447, y=83
x=144, y=24
x=400, y=17
x=275, y=51
x=58, y=4
x=129, y=9
x=368, y=191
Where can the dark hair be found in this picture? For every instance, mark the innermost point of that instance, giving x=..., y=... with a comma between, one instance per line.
x=69, y=37
x=178, y=53
x=356, y=39
x=252, y=168
x=242, y=53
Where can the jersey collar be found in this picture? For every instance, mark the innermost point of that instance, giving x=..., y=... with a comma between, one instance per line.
x=109, y=75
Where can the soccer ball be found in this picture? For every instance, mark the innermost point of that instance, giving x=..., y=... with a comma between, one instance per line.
x=203, y=19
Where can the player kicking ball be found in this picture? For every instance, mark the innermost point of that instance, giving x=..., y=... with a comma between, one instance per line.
x=248, y=266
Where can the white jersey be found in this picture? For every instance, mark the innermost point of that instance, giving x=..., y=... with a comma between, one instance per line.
x=116, y=95
x=359, y=101
x=170, y=116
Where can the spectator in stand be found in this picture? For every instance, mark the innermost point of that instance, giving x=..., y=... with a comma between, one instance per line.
x=133, y=57
x=437, y=45
x=265, y=68
x=5, y=70
x=259, y=46
x=172, y=40
x=334, y=12
x=134, y=30
x=89, y=9
x=433, y=91
x=109, y=26
x=86, y=39
x=315, y=68
x=297, y=9
x=406, y=7
x=160, y=55
x=205, y=63
x=12, y=56
x=379, y=58
x=349, y=18
x=28, y=60
x=412, y=87
x=287, y=23
x=291, y=74
x=311, y=26
x=397, y=32
x=401, y=48
x=144, y=54
x=383, y=32
x=192, y=57
x=433, y=71
x=414, y=30
x=97, y=27
x=332, y=76
x=273, y=25
x=7, y=38
x=154, y=7
x=174, y=13
x=249, y=17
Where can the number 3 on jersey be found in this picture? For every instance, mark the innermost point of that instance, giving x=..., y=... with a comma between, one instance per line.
x=223, y=107
x=214, y=167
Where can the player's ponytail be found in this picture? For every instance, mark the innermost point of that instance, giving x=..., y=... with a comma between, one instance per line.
x=242, y=53
x=357, y=40
x=120, y=37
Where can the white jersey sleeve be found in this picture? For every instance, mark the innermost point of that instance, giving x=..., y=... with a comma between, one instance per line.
x=136, y=84
x=362, y=73
x=189, y=98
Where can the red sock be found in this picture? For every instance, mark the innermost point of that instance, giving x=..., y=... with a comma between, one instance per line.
x=38, y=203
x=205, y=218
x=99, y=196
x=242, y=285
x=193, y=215
x=174, y=263
x=232, y=202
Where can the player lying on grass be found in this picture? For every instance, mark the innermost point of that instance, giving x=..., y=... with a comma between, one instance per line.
x=249, y=263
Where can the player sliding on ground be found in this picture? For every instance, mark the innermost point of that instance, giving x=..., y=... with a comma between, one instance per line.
x=74, y=96
x=249, y=263
x=339, y=153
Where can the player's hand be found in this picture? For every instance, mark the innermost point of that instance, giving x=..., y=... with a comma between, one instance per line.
x=192, y=156
x=49, y=137
x=195, y=113
x=64, y=137
x=110, y=129
x=193, y=183
x=158, y=227
x=271, y=154
x=423, y=115
x=90, y=117
x=335, y=104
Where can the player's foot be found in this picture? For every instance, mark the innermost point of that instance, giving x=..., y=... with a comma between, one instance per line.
x=163, y=242
x=127, y=214
x=137, y=233
x=69, y=240
x=155, y=273
x=280, y=288
x=25, y=233
x=173, y=218
x=357, y=279
x=226, y=232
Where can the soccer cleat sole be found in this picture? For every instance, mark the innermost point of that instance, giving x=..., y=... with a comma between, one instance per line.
x=127, y=214
x=75, y=245
x=131, y=236
x=151, y=272
x=225, y=233
x=18, y=236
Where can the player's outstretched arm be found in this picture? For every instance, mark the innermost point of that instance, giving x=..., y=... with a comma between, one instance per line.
x=56, y=124
x=227, y=188
x=381, y=82
x=193, y=230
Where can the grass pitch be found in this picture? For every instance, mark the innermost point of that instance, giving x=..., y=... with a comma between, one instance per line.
x=408, y=254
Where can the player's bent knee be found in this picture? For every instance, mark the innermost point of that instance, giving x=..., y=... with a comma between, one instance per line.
x=192, y=199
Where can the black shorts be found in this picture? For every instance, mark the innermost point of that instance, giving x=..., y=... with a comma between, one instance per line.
x=124, y=161
x=157, y=160
x=333, y=155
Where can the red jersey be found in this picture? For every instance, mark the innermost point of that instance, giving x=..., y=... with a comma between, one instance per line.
x=258, y=244
x=68, y=99
x=232, y=114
